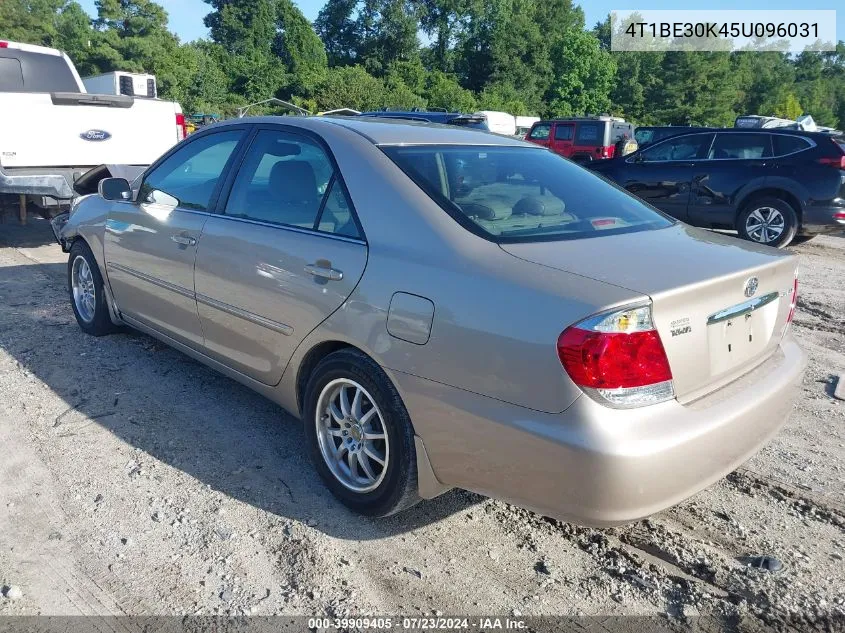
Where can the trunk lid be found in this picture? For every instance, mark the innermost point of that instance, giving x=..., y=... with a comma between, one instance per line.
x=712, y=330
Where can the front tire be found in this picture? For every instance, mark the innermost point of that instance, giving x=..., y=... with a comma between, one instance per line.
x=87, y=295
x=768, y=220
x=360, y=436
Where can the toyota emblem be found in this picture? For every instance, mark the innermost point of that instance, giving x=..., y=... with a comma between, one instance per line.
x=751, y=286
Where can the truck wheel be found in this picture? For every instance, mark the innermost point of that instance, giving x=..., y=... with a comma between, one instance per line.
x=768, y=220
x=359, y=434
x=87, y=296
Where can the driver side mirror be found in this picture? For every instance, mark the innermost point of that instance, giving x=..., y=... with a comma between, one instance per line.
x=114, y=189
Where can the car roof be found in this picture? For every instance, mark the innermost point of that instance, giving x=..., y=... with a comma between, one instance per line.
x=392, y=131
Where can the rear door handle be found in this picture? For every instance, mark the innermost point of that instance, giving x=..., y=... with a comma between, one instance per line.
x=324, y=272
x=184, y=240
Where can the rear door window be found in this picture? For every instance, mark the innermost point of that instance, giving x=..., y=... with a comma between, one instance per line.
x=741, y=146
x=688, y=147
x=289, y=180
x=590, y=134
x=564, y=132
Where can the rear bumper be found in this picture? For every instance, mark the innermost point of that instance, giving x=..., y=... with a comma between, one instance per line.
x=52, y=182
x=598, y=466
x=823, y=219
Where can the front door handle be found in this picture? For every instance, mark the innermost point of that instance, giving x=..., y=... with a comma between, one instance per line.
x=324, y=272
x=184, y=240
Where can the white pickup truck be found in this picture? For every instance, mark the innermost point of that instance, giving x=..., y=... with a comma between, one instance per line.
x=52, y=131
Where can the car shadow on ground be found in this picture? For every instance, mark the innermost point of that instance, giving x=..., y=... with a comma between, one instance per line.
x=177, y=411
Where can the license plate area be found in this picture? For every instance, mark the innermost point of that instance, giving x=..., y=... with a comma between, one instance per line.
x=740, y=333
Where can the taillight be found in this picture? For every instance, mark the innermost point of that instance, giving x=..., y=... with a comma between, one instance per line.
x=618, y=358
x=794, y=303
x=4, y=44
x=839, y=216
x=839, y=162
x=181, y=128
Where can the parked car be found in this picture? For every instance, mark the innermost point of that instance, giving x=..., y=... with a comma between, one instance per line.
x=446, y=308
x=524, y=123
x=646, y=135
x=52, y=130
x=583, y=139
x=770, y=186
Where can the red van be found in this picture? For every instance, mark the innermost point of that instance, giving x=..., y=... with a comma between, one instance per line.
x=582, y=139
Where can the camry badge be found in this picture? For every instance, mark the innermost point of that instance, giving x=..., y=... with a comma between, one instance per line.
x=95, y=135
x=751, y=286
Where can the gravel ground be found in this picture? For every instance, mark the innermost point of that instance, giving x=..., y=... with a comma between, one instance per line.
x=136, y=481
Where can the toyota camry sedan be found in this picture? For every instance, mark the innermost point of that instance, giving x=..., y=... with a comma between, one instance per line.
x=447, y=308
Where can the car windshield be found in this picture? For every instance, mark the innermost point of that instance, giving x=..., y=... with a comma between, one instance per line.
x=522, y=194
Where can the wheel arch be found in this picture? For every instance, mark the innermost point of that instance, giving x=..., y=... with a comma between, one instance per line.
x=790, y=197
x=429, y=486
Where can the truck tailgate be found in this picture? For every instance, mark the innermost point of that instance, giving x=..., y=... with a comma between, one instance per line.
x=41, y=130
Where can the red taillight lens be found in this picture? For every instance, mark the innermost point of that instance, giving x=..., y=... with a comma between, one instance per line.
x=794, y=303
x=4, y=44
x=839, y=163
x=602, y=360
x=181, y=128
x=839, y=216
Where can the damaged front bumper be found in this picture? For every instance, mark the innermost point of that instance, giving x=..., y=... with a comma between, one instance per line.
x=58, y=224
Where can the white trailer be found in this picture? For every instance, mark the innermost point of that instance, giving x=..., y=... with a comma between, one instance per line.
x=122, y=83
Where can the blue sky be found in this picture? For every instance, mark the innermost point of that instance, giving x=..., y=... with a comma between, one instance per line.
x=186, y=15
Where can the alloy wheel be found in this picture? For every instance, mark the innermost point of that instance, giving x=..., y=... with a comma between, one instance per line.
x=352, y=437
x=84, y=293
x=765, y=225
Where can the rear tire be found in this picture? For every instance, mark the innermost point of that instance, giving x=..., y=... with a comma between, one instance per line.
x=768, y=220
x=363, y=452
x=87, y=295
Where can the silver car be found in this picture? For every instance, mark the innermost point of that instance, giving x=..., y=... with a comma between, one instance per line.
x=449, y=308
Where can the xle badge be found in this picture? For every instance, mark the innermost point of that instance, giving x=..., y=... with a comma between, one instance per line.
x=680, y=326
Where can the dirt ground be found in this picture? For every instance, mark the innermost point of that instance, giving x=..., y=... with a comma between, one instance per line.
x=136, y=481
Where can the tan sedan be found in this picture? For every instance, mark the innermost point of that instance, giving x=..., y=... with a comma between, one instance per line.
x=449, y=308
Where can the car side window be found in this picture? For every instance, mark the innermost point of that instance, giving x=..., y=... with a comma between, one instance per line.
x=287, y=179
x=192, y=172
x=741, y=146
x=589, y=134
x=540, y=131
x=689, y=147
x=564, y=132
x=785, y=144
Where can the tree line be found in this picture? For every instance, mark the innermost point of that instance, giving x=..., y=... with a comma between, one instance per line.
x=535, y=57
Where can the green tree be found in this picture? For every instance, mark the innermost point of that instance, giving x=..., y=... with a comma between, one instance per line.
x=697, y=88
x=75, y=36
x=444, y=91
x=349, y=87
x=336, y=27
x=585, y=86
x=29, y=21
x=299, y=48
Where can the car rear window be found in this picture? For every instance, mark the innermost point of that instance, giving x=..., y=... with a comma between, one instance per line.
x=591, y=134
x=520, y=194
x=38, y=71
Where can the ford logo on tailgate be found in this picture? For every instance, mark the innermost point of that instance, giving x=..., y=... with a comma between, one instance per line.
x=95, y=135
